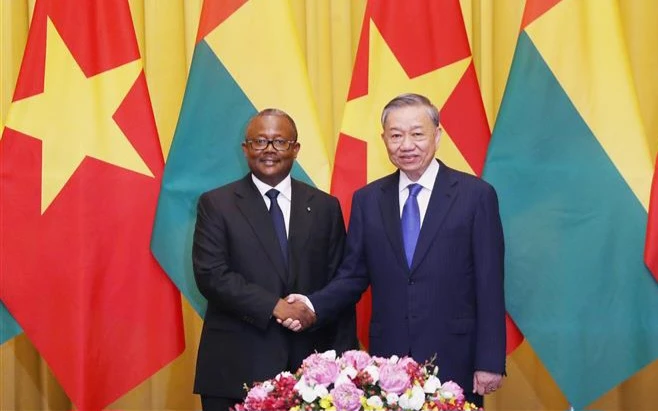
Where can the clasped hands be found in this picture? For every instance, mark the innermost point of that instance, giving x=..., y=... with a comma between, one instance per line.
x=294, y=313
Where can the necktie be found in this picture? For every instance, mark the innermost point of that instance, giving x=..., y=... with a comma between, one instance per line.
x=411, y=222
x=279, y=223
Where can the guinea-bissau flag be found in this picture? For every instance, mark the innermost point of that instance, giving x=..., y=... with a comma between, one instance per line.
x=410, y=47
x=81, y=169
x=247, y=58
x=569, y=157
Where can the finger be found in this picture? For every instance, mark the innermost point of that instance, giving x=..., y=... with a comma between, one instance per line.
x=475, y=383
x=287, y=322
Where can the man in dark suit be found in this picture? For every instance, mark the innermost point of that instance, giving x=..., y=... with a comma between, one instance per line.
x=257, y=240
x=429, y=241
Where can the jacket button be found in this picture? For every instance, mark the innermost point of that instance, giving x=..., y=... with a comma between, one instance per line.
x=411, y=282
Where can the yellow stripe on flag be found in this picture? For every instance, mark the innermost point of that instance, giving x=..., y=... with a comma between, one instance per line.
x=588, y=57
x=258, y=45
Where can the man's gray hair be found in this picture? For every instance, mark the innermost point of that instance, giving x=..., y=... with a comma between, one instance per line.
x=411, y=99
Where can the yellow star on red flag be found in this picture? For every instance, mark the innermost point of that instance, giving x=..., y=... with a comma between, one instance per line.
x=73, y=117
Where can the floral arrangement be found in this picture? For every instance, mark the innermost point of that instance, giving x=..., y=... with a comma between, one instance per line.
x=356, y=381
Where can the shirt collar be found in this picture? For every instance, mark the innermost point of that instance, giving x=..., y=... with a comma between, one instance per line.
x=426, y=180
x=284, y=187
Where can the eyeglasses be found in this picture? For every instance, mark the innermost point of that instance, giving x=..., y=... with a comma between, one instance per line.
x=279, y=144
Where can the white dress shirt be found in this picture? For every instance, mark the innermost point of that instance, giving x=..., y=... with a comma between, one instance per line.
x=284, y=198
x=426, y=181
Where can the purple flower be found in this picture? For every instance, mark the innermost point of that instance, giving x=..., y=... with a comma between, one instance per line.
x=320, y=370
x=393, y=378
x=357, y=359
x=346, y=397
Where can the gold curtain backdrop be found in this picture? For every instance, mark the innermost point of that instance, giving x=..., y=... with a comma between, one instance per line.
x=328, y=31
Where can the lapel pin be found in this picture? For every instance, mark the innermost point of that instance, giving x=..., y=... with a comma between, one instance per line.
x=308, y=209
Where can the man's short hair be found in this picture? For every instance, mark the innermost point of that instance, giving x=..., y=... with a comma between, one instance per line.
x=411, y=99
x=276, y=113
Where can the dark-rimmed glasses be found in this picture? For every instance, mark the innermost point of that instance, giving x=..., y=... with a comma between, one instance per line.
x=279, y=144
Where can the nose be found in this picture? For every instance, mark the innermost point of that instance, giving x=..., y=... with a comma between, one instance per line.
x=407, y=143
x=270, y=146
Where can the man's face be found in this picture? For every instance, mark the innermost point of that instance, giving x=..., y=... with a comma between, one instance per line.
x=411, y=139
x=270, y=165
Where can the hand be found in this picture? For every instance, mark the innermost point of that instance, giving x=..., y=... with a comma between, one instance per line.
x=485, y=382
x=293, y=324
x=292, y=312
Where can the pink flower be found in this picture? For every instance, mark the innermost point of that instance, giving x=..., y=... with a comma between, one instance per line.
x=393, y=378
x=346, y=397
x=320, y=370
x=451, y=389
x=357, y=359
x=404, y=361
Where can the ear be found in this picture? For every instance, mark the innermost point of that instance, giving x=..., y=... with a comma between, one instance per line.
x=245, y=148
x=295, y=149
x=437, y=135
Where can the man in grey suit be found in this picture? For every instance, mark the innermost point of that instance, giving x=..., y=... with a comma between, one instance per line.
x=428, y=240
x=257, y=240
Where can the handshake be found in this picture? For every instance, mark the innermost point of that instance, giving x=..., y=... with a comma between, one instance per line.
x=295, y=312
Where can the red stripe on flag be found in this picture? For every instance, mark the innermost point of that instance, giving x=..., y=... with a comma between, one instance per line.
x=350, y=174
x=214, y=13
x=534, y=9
x=468, y=128
x=651, y=246
x=80, y=278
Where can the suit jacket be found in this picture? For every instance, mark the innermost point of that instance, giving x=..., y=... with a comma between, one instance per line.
x=239, y=268
x=450, y=303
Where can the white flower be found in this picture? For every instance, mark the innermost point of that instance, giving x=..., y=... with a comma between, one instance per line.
x=375, y=402
x=308, y=395
x=392, y=398
x=345, y=376
x=394, y=359
x=268, y=386
x=301, y=386
x=413, y=400
x=373, y=370
x=432, y=385
x=330, y=355
x=320, y=391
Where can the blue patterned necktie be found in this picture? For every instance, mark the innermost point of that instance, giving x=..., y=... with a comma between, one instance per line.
x=279, y=223
x=411, y=222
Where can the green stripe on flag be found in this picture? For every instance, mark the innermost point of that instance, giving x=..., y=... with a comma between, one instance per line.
x=205, y=153
x=575, y=283
x=9, y=328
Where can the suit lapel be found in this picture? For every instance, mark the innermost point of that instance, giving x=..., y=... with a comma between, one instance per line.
x=301, y=219
x=252, y=206
x=389, y=204
x=443, y=195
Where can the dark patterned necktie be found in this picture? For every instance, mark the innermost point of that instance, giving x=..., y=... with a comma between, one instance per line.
x=279, y=222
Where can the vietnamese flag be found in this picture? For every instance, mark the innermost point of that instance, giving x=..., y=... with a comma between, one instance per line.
x=410, y=47
x=80, y=173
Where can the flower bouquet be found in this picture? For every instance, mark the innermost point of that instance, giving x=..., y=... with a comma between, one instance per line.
x=356, y=382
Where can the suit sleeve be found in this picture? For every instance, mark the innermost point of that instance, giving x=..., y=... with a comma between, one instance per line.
x=351, y=278
x=218, y=283
x=345, y=338
x=488, y=252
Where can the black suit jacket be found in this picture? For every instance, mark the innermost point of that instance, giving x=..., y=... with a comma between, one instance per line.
x=239, y=268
